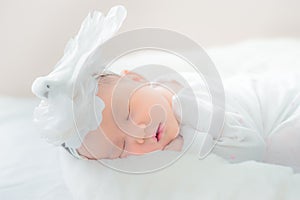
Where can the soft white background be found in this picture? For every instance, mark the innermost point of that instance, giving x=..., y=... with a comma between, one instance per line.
x=33, y=32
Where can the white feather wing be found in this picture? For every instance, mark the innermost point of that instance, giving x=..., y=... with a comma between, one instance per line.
x=73, y=107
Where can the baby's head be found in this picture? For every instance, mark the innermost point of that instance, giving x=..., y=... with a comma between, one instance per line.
x=128, y=127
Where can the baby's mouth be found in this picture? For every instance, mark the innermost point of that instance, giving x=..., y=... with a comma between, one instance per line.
x=159, y=132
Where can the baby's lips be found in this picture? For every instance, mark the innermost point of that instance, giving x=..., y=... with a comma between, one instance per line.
x=161, y=127
x=161, y=130
x=158, y=133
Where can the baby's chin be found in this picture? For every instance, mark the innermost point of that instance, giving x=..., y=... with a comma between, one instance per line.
x=175, y=145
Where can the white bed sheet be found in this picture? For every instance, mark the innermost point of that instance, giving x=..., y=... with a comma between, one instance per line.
x=29, y=167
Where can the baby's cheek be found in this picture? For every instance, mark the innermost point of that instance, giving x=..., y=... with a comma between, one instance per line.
x=176, y=144
x=174, y=127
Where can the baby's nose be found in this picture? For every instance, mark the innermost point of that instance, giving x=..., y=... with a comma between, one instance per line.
x=41, y=88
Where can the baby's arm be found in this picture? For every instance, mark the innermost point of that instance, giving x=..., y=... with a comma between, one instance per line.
x=240, y=137
x=243, y=133
x=239, y=141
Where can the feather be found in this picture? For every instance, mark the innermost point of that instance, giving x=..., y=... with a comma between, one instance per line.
x=69, y=107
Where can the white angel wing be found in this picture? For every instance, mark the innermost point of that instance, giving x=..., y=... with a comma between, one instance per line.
x=94, y=31
x=89, y=106
x=69, y=102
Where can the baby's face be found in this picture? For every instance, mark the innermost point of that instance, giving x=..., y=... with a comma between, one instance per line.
x=120, y=139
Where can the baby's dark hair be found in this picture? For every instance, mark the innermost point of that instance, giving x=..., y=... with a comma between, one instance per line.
x=105, y=76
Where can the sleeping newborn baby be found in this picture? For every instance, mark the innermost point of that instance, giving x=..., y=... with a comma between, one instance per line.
x=110, y=141
x=262, y=118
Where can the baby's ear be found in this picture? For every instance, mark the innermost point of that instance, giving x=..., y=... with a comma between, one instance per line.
x=124, y=72
x=133, y=76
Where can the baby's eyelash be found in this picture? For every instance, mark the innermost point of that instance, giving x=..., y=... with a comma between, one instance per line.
x=128, y=111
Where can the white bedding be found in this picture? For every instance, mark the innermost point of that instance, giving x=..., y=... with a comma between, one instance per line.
x=189, y=178
x=30, y=168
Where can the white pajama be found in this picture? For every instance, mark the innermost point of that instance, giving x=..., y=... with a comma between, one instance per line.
x=262, y=117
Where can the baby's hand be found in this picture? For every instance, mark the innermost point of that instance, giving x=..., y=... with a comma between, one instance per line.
x=175, y=145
